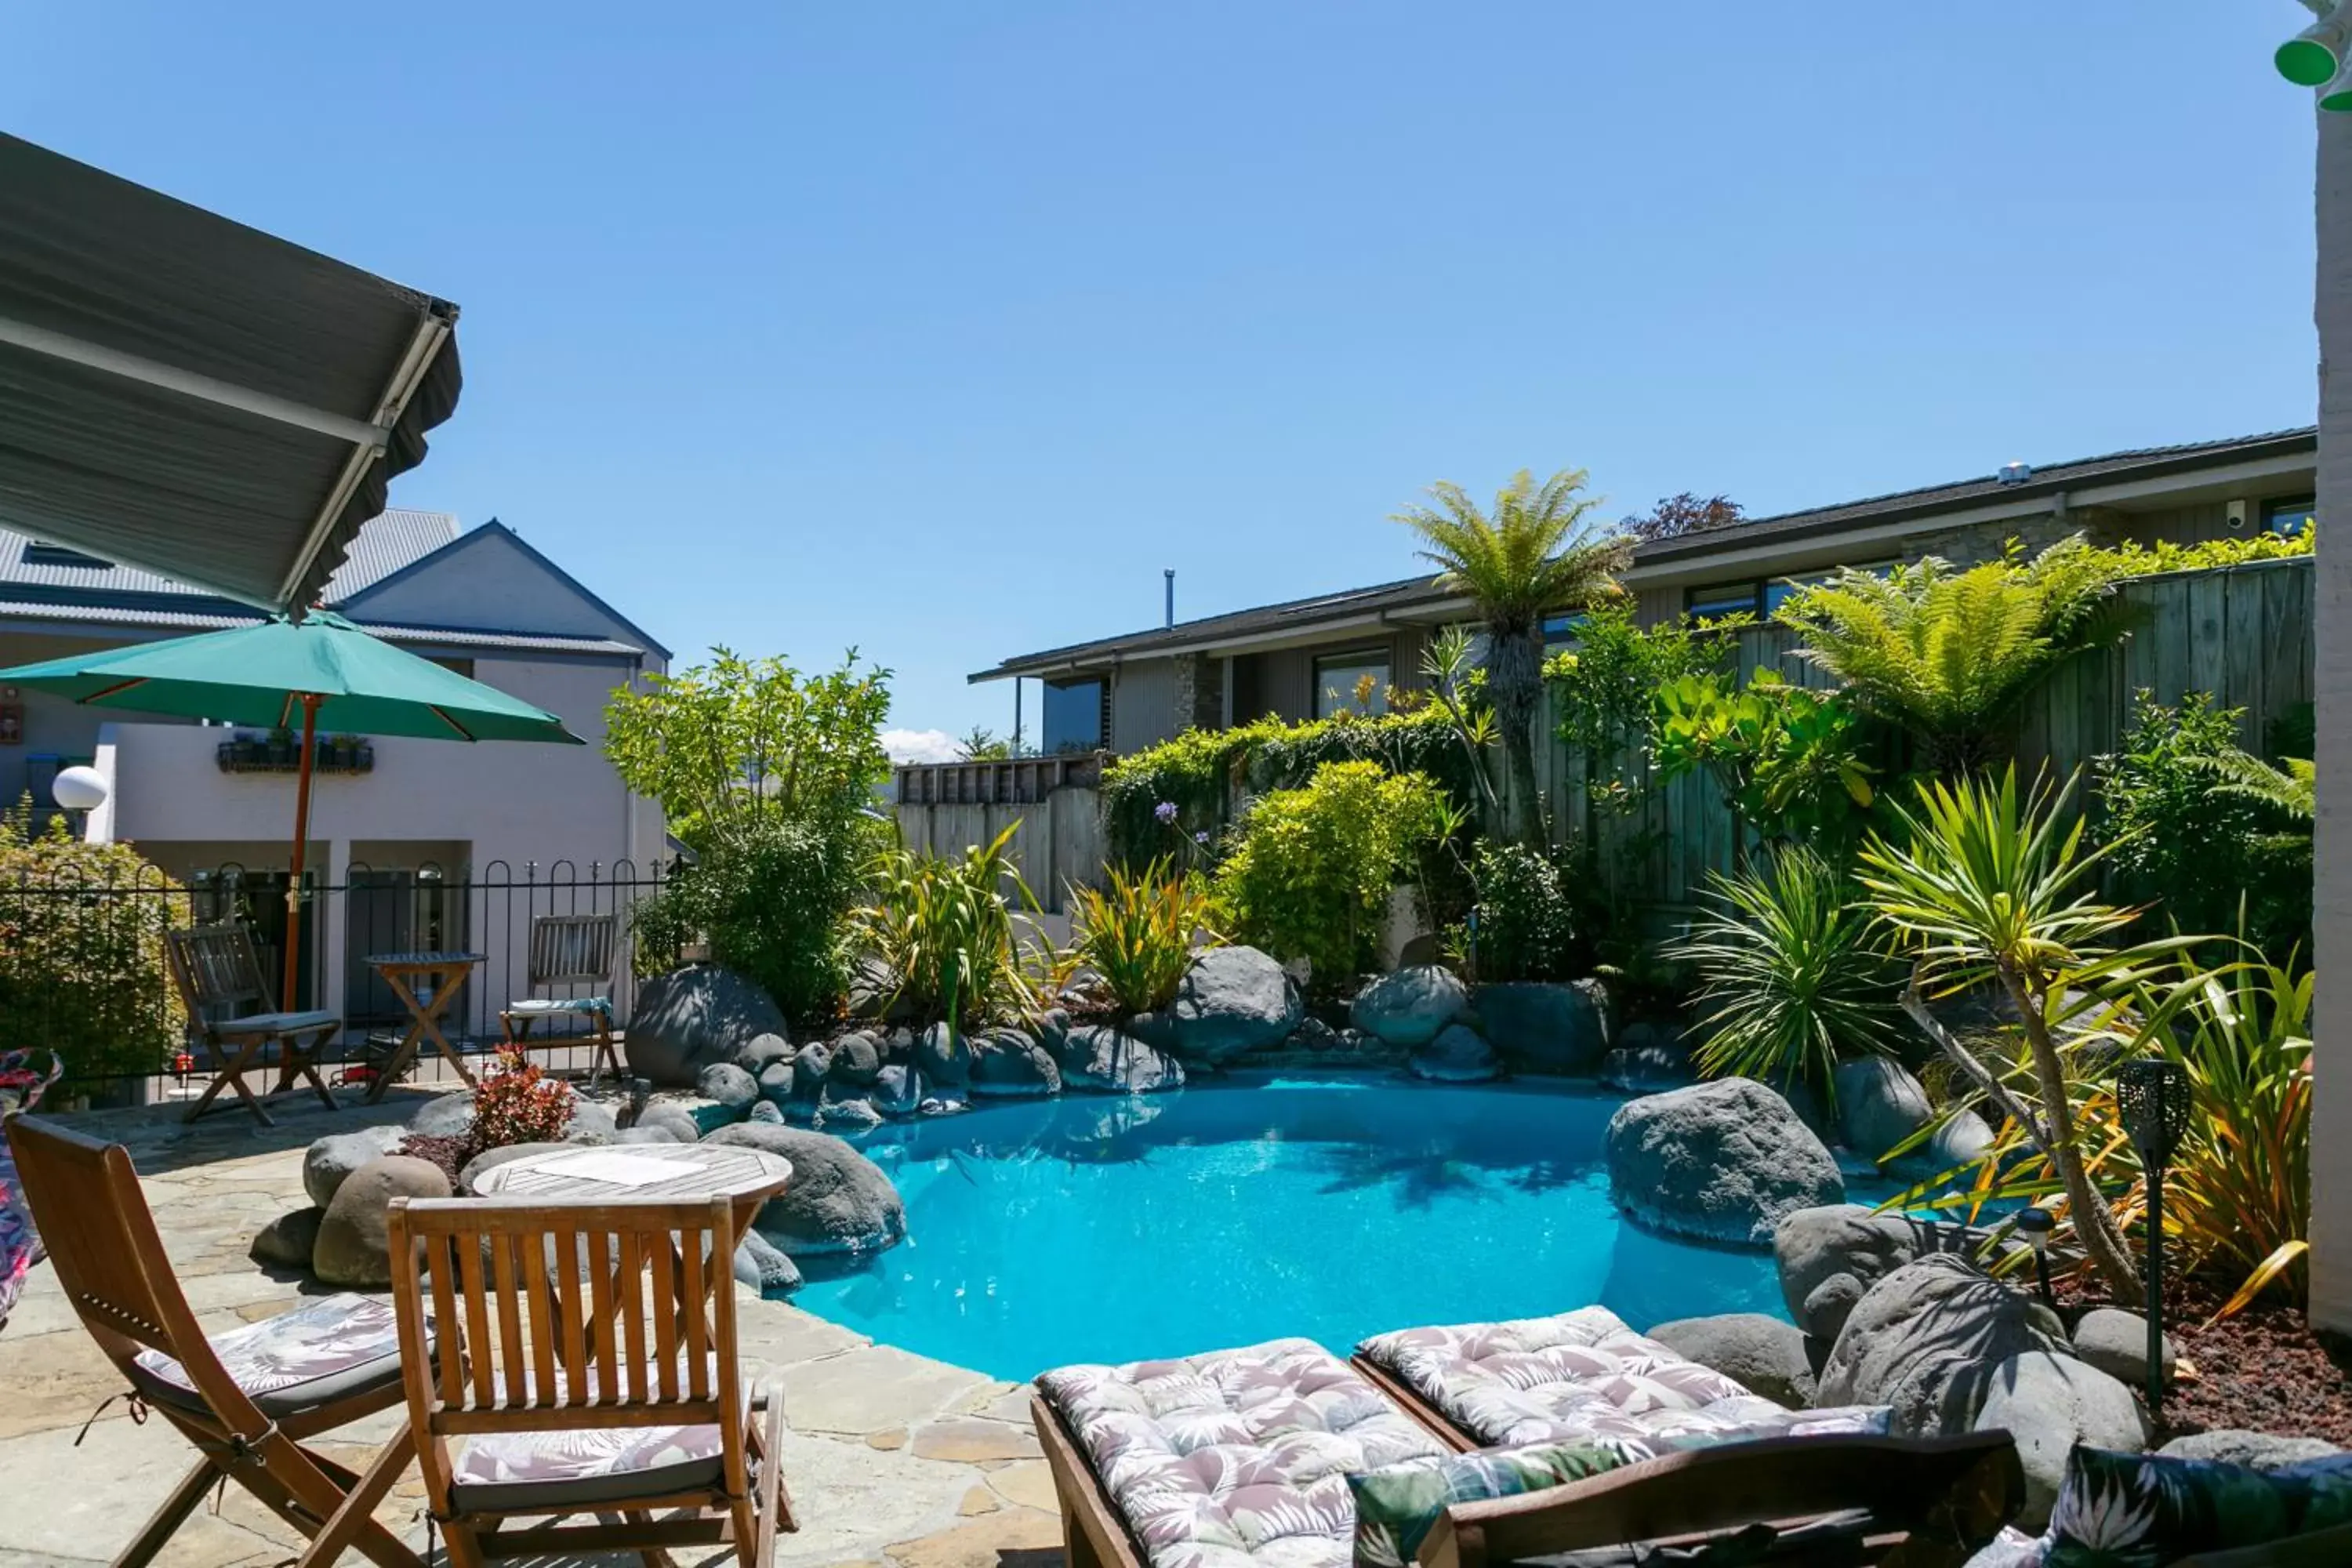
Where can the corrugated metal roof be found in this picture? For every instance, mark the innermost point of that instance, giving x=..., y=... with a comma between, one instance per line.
x=200, y=621
x=386, y=542
x=1788, y=527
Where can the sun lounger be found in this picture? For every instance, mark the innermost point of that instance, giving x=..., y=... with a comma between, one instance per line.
x=1579, y=1375
x=1244, y=1456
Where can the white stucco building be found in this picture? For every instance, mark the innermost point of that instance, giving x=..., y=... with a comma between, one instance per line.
x=424, y=819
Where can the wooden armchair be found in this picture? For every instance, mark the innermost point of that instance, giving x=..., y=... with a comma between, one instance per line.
x=570, y=950
x=216, y=970
x=601, y=1379
x=248, y=1400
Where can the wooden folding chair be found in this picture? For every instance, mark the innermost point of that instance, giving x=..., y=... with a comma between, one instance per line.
x=245, y=1400
x=215, y=969
x=601, y=1379
x=570, y=950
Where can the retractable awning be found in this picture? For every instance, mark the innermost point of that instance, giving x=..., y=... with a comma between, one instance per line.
x=184, y=394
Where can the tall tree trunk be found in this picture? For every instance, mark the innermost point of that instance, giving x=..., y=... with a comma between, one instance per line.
x=1515, y=684
x=2095, y=1223
x=2331, y=1054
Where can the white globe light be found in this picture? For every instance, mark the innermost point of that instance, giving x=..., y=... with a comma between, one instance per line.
x=78, y=789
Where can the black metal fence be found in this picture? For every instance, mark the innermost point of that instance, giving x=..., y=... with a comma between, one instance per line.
x=83, y=969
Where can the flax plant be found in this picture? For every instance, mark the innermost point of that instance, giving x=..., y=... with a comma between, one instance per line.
x=946, y=935
x=1139, y=934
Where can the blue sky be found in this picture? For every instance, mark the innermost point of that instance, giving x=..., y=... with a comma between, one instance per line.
x=941, y=328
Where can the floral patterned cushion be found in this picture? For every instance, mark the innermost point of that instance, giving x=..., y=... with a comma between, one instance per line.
x=2144, y=1510
x=328, y=1350
x=1237, y=1457
x=1578, y=1375
x=522, y=1471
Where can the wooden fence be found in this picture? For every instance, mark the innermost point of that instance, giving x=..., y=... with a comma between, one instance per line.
x=2243, y=634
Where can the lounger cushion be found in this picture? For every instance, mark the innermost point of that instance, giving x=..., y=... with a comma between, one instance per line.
x=1236, y=1457
x=2118, y=1510
x=1397, y=1508
x=599, y=1006
x=521, y=1472
x=1578, y=1375
x=236, y=1029
x=333, y=1349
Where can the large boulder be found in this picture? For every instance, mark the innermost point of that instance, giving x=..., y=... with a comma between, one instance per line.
x=1097, y=1056
x=1408, y=1006
x=685, y=1020
x=352, y=1247
x=287, y=1241
x=727, y=1085
x=1458, y=1055
x=837, y=1199
x=1879, y=1104
x=445, y=1115
x=1008, y=1063
x=1761, y=1353
x=1722, y=1162
x=1233, y=999
x=856, y=1058
x=329, y=1160
x=2256, y=1450
x=897, y=1090
x=2049, y=1403
x=811, y=1067
x=759, y=1265
x=943, y=1056
x=1926, y=1341
x=778, y=1080
x=1830, y=1256
x=2115, y=1341
x=763, y=1050
x=1542, y=1025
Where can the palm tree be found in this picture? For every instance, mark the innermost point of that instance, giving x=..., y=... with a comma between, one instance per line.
x=1945, y=654
x=1535, y=555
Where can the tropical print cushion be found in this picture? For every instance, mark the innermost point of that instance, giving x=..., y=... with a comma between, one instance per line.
x=601, y=1006
x=1396, y=1508
x=1578, y=1375
x=1238, y=1457
x=2144, y=1510
x=326, y=1351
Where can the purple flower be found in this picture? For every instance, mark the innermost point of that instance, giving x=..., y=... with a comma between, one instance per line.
x=1166, y=812
x=1201, y=836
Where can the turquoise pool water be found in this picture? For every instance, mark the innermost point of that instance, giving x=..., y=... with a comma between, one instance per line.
x=1046, y=1232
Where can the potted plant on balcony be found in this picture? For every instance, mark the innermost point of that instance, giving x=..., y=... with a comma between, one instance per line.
x=342, y=752
x=281, y=747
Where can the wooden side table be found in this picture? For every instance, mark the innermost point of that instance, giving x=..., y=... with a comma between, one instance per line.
x=438, y=975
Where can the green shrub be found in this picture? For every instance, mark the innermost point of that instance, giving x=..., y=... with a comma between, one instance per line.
x=1309, y=870
x=82, y=968
x=768, y=776
x=2191, y=838
x=943, y=933
x=773, y=900
x=1524, y=924
x=1791, y=979
x=1138, y=934
x=1603, y=690
x=1198, y=772
x=1787, y=760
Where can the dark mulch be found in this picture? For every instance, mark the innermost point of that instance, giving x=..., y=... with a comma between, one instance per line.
x=2262, y=1369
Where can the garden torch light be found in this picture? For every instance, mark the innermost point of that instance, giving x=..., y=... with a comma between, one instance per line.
x=2154, y=1094
x=2036, y=1224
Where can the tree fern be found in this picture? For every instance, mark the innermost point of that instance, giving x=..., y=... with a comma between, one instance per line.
x=1536, y=554
x=1946, y=653
x=2290, y=790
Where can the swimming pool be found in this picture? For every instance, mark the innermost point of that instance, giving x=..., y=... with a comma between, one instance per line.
x=1088, y=1228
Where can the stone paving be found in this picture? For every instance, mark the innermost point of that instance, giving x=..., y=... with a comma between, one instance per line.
x=893, y=1460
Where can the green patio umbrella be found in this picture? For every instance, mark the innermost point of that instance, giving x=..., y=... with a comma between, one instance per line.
x=323, y=667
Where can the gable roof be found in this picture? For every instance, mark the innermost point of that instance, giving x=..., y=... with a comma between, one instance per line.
x=495, y=529
x=1422, y=593
x=385, y=543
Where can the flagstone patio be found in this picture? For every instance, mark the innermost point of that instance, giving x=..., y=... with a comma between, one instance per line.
x=892, y=1459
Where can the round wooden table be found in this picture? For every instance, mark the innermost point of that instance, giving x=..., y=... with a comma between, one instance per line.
x=628, y=1172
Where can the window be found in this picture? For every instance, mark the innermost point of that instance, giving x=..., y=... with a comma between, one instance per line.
x=2290, y=516
x=39, y=554
x=1559, y=629
x=1073, y=720
x=1720, y=599
x=1352, y=683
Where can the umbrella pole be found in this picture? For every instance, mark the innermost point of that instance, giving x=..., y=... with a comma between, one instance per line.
x=301, y=842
